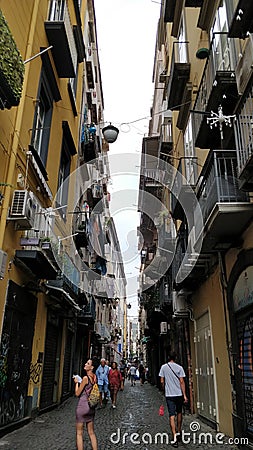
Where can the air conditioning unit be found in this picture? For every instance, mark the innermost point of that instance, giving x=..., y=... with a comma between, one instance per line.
x=179, y=304
x=23, y=210
x=3, y=262
x=163, y=328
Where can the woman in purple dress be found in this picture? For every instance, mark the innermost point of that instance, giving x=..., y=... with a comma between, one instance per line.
x=85, y=414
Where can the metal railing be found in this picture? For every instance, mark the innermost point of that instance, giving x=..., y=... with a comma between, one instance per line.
x=186, y=175
x=166, y=133
x=244, y=132
x=221, y=59
x=218, y=184
x=90, y=309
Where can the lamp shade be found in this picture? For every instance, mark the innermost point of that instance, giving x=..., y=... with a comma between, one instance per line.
x=110, y=133
x=202, y=53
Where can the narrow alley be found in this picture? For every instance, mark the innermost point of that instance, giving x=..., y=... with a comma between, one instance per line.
x=135, y=423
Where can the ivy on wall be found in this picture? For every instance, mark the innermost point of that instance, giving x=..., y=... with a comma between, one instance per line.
x=11, y=68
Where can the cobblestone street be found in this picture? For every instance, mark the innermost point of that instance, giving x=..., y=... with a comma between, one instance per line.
x=137, y=412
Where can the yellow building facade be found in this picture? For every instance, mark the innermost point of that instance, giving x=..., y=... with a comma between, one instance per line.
x=40, y=135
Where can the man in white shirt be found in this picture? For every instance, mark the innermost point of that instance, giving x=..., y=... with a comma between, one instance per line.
x=172, y=380
x=132, y=372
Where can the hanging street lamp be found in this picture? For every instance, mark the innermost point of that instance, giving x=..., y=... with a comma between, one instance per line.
x=110, y=133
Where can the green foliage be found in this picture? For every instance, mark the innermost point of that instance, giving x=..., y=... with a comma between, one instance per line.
x=152, y=299
x=12, y=67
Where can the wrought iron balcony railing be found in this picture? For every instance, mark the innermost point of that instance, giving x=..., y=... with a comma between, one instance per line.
x=218, y=184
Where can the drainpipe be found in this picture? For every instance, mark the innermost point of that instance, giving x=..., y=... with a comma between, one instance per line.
x=223, y=280
x=17, y=125
x=189, y=362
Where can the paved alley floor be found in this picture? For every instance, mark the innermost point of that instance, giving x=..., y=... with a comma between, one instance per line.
x=134, y=424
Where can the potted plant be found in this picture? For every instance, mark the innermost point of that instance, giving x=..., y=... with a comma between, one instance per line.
x=45, y=243
x=11, y=68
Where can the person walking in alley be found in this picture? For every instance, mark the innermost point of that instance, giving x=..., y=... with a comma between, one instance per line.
x=115, y=379
x=132, y=372
x=123, y=370
x=172, y=380
x=142, y=373
x=102, y=377
x=84, y=413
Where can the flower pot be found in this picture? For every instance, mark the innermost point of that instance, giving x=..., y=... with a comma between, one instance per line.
x=29, y=241
x=45, y=245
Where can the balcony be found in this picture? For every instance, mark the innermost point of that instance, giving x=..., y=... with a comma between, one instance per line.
x=89, y=311
x=166, y=139
x=37, y=253
x=89, y=150
x=217, y=86
x=244, y=144
x=188, y=267
x=193, y=3
x=173, y=12
x=60, y=35
x=182, y=191
x=89, y=73
x=42, y=254
x=62, y=294
x=240, y=19
x=36, y=261
x=206, y=14
x=165, y=290
x=226, y=209
x=179, y=74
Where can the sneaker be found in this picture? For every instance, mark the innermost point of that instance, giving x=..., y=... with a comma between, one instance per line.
x=114, y=406
x=174, y=443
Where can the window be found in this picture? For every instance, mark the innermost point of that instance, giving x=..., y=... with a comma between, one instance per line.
x=68, y=149
x=189, y=151
x=72, y=87
x=63, y=182
x=42, y=120
x=56, y=10
x=182, y=46
x=91, y=32
x=220, y=21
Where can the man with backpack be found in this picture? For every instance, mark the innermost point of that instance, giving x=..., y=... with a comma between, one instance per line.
x=172, y=380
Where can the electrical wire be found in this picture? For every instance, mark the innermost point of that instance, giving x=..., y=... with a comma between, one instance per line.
x=122, y=123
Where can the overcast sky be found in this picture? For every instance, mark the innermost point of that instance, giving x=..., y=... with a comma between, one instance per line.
x=126, y=31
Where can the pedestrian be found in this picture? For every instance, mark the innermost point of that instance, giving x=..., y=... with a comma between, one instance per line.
x=128, y=370
x=142, y=372
x=84, y=413
x=172, y=380
x=102, y=377
x=132, y=372
x=123, y=369
x=114, y=382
